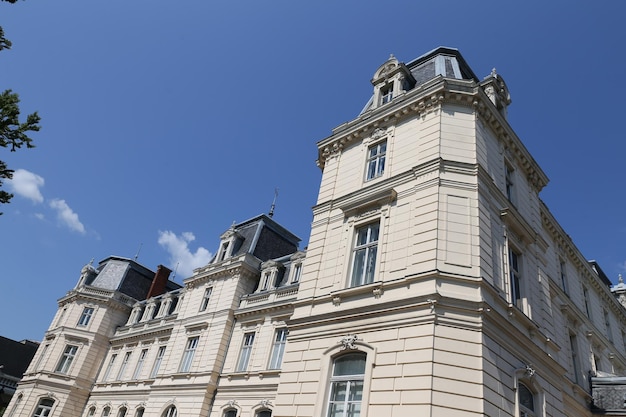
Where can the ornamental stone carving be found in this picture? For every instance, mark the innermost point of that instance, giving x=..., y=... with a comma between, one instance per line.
x=348, y=342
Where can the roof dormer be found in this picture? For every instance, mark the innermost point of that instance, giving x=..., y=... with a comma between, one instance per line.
x=390, y=80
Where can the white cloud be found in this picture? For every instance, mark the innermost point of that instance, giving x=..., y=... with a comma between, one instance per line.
x=66, y=215
x=26, y=184
x=178, y=249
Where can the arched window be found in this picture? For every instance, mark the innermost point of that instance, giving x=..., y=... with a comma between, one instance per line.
x=139, y=412
x=91, y=412
x=44, y=408
x=526, y=401
x=346, y=386
x=122, y=412
x=231, y=412
x=170, y=412
x=264, y=413
x=106, y=412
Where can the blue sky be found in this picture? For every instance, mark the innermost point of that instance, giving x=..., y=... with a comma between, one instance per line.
x=163, y=122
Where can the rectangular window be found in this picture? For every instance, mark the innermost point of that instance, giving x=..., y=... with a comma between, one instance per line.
x=266, y=281
x=125, y=361
x=246, y=350
x=515, y=275
x=205, y=298
x=142, y=358
x=157, y=362
x=66, y=360
x=563, y=276
x=574, y=352
x=278, y=349
x=86, y=316
x=364, y=255
x=586, y=301
x=107, y=373
x=223, y=252
x=376, y=160
x=386, y=93
x=509, y=182
x=43, y=354
x=190, y=350
x=297, y=272
x=607, y=326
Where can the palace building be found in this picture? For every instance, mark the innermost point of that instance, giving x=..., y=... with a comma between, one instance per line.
x=436, y=282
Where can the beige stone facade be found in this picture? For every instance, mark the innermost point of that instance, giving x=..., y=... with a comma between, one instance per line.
x=436, y=282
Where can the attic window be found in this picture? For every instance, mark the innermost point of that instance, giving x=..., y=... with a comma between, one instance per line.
x=223, y=251
x=386, y=93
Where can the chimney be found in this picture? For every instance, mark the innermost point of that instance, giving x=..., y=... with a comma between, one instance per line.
x=159, y=282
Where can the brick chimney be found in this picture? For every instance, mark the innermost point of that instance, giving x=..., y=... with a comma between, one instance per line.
x=159, y=283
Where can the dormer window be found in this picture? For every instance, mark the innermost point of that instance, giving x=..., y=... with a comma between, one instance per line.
x=223, y=251
x=386, y=93
x=266, y=281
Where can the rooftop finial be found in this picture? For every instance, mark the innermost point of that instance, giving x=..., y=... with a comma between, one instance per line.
x=620, y=279
x=493, y=73
x=271, y=213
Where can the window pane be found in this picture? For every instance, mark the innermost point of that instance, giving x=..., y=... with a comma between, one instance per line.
x=353, y=364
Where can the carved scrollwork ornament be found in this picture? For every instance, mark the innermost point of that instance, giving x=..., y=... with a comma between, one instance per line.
x=530, y=371
x=348, y=342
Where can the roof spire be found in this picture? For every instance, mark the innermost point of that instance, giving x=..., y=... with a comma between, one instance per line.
x=271, y=213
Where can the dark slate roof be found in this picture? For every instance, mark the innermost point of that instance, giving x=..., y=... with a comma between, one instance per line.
x=444, y=61
x=16, y=356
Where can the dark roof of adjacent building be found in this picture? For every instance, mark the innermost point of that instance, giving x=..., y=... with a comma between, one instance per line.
x=16, y=356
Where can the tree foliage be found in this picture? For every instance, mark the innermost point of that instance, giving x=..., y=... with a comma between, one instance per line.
x=13, y=133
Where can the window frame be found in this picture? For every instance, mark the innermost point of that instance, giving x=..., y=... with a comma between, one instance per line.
x=523, y=410
x=67, y=358
x=44, y=410
x=85, y=317
x=510, y=190
x=158, y=359
x=375, y=163
x=107, y=372
x=369, y=262
x=188, y=354
x=351, y=385
x=140, y=362
x=206, y=298
x=170, y=411
x=297, y=273
x=245, y=353
x=278, y=348
x=516, y=277
x=124, y=365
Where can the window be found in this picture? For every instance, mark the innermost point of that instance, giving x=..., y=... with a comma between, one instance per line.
x=297, y=272
x=563, y=276
x=140, y=361
x=376, y=160
x=386, y=93
x=86, y=316
x=264, y=413
x=364, y=257
x=43, y=354
x=586, y=301
x=91, y=412
x=526, y=401
x=44, y=407
x=66, y=360
x=278, y=349
x=574, y=352
x=17, y=402
x=230, y=413
x=223, y=252
x=205, y=298
x=607, y=325
x=170, y=412
x=515, y=277
x=122, y=412
x=107, y=373
x=266, y=281
x=120, y=373
x=106, y=411
x=157, y=362
x=509, y=183
x=190, y=350
x=139, y=412
x=346, y=386
x=246, y=350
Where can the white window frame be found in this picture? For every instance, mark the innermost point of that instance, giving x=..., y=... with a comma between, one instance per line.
x=140, y=361
x=386, y=93
x=120, y=373
x=68, y=356
x=44, y=410
x=351, y=382
x=509, y=183
x=297, y=273
x=246, y=352
x=157, y=361
x=188, y=354
x=516, y=277
x=206, y=297
x=86, y=316
x=122, y=412
x=526, y=409
x=278, y=348
x=107, y=373
x=171, y=411
x=365, y=254
x=376, y=160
